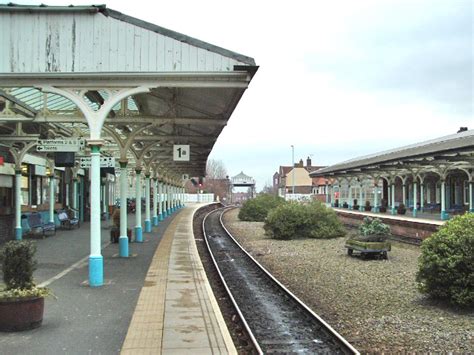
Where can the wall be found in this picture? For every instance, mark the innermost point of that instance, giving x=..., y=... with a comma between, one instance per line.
x=301, y=178
x=411, y=231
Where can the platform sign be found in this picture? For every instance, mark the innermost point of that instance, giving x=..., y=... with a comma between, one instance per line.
x=181, y=152
x=105, y=162
x=185, y=177
x=60, y=145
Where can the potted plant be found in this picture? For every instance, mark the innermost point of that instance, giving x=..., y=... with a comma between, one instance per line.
x=355, y=206
x=401, y=209
x=367, y=206
x=345, y=205
x=21, y=301
x=115, y=230
x=336, y=203
x=383, y=206
x=371, y=240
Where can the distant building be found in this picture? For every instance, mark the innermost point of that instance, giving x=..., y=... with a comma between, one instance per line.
x=304, y=184
x=240, y=197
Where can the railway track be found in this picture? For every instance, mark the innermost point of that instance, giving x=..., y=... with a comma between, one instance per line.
x=277, y=321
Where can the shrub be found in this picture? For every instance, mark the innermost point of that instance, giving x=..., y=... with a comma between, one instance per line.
x=18, y=264
x=446, y=263
x=401, y=209
x=373, y=230
x=256, y=209
x=373, y=226
x=293, y=220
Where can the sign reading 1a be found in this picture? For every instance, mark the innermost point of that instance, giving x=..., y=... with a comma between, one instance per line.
x=181, y=152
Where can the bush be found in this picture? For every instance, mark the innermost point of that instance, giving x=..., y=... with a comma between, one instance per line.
x=446, y=263
x=373, y=226
x=373, y=230
x=401, y=209
x=18, y=264
x=293, y=220
x=256, y=209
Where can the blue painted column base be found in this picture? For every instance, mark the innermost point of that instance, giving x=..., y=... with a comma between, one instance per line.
x=471, y=210
x=96, y=271
x=155, y=220
x=123, y=246
x=415, y=212
x=350, y=207
x=394, y=211
x=376, y=209
x=147, y=226
x=161, y=217
x=138, y=235
x=106, y=214
x=165, y=214
x=444, y=216
x=361, y=208
x=18, y=233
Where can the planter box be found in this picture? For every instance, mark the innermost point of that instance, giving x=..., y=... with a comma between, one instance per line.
x=366, y=248
x=21, y=314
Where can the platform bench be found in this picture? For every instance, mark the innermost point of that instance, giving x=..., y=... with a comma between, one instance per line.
x=38, y=226
x=67, y=221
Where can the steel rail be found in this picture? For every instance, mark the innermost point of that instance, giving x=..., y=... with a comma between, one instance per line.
x=322, y=321
x=236, y=306
x=348, y=347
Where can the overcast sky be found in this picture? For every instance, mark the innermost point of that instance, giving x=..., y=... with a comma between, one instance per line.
x=337, y=79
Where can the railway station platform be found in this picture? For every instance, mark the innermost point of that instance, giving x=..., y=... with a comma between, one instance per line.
x=157, y=301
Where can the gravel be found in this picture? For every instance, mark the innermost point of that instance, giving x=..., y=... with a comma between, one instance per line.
x=374, y=303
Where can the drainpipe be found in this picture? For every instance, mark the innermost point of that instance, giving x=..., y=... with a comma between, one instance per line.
x=18, y=230
x=138, y=208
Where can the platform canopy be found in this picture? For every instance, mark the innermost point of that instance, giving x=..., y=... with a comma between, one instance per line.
x=448, y=153
x=135, y=87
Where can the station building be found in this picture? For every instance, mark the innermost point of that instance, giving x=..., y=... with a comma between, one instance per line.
x=434, y=178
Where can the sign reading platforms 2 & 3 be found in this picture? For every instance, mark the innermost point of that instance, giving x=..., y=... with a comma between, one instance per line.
x=60, y=145
x=105, y=162
x=181, y=152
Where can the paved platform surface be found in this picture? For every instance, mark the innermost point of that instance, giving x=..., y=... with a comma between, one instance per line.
x=151, y=299
x=426, y=218
x=176, y=312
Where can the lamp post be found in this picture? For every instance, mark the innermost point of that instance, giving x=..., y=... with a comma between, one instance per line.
x=293, y=164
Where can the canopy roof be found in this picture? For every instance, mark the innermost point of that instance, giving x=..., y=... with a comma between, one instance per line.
x=192, y=87
x=455, y=149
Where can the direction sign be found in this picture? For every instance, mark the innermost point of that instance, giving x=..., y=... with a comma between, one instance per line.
x=181, y=152
x=60, y=145
x=105, y=162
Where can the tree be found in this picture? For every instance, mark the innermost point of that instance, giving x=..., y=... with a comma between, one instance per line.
x=215, y=169
x=269, y=189
x=216, y=180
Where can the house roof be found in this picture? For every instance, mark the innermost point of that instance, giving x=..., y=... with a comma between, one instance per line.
x=284, y=170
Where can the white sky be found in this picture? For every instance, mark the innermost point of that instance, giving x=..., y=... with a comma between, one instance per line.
x=337, y=79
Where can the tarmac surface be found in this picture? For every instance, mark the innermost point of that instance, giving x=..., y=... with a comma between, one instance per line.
x=85, y=320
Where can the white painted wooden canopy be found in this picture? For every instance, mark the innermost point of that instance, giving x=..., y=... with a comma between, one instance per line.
x=145, y=87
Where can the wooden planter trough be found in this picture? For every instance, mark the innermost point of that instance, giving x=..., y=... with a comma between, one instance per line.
x=380, y=249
